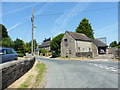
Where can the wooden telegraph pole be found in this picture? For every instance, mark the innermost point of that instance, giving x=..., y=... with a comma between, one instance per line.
x=32, y=20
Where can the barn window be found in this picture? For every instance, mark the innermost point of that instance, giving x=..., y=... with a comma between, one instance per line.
x=66, y=42
x=89, y=49
x=69, y=51
x=79, y=49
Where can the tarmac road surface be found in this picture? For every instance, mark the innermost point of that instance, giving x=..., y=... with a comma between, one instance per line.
x=80, y=74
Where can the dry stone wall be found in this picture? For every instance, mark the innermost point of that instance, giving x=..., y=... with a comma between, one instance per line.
x=11, y=71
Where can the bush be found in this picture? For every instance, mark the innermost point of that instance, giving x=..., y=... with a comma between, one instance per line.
x=55, y=43
x=49, y=54
x=43, y=51
x=21, y=55
x=55, y=55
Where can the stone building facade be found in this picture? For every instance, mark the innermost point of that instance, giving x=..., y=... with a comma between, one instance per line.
x=77, y=45
x=45, y=44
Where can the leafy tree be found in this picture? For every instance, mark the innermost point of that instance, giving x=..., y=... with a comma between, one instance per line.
x=85, y=28
x=43, y=51
x=34, y=42
x=19, y=45
x=3, y=31
x=55, y=43
x=28, y=47
x=113, y=44
x=118, y=46
x=7, y=42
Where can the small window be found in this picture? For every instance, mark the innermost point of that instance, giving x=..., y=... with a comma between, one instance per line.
x=69, y=51
x=78, y=48
x=66, y=42
x=89, y=49
x=9, y=51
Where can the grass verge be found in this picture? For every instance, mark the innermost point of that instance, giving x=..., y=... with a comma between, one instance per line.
x=27, y=82
x=75, y=58
x=40, y=67
x=35, y=79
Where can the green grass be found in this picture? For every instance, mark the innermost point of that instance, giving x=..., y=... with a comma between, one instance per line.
x=27, y=82
x=40, y=68
x=118, y=59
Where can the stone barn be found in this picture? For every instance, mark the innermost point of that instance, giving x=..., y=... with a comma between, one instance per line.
x=79, y=45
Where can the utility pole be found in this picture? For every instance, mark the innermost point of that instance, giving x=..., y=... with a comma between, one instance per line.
x=32, y=20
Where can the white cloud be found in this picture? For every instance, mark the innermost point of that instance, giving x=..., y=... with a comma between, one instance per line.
x=62, y=21
x=16, y=25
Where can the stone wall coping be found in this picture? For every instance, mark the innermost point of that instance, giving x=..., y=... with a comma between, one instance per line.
x=12, y=63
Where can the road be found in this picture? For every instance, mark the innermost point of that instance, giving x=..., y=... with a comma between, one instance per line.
x=80, y=74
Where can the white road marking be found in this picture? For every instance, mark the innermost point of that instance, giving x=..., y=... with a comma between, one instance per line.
x=114, y=70
x=101, y=66
x=90, y=63
x=95, y=64
x=105, y=67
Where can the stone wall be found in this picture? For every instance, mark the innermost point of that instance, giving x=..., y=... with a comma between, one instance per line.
x=84, y=54
x=83, y=46
x=11, y=71
x=116, y=53
x=65, y=50
x=94, y=50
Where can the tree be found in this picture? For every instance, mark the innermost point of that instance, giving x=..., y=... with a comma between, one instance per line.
x=43, y=51
x=19, y=45
x=3, y=31
x=85, y=28
x=28, y=46
x=34, y=43
x=118, y=45
x=7, y=42
x=113, y=44
x=55, y=43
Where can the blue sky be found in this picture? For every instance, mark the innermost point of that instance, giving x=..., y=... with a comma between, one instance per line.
x=53, y=18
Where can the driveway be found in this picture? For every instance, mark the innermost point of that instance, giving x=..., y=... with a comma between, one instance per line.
x=80, y=74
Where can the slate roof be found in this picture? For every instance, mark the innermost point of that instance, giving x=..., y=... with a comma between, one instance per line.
x=79, y=36
x=83, y=37
x=45, y=44
x=98, y=43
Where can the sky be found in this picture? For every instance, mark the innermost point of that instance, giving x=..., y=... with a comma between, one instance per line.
x=53, y=18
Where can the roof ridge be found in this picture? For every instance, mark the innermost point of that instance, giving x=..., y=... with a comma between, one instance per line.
x=78, y=36
x=76, y=33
